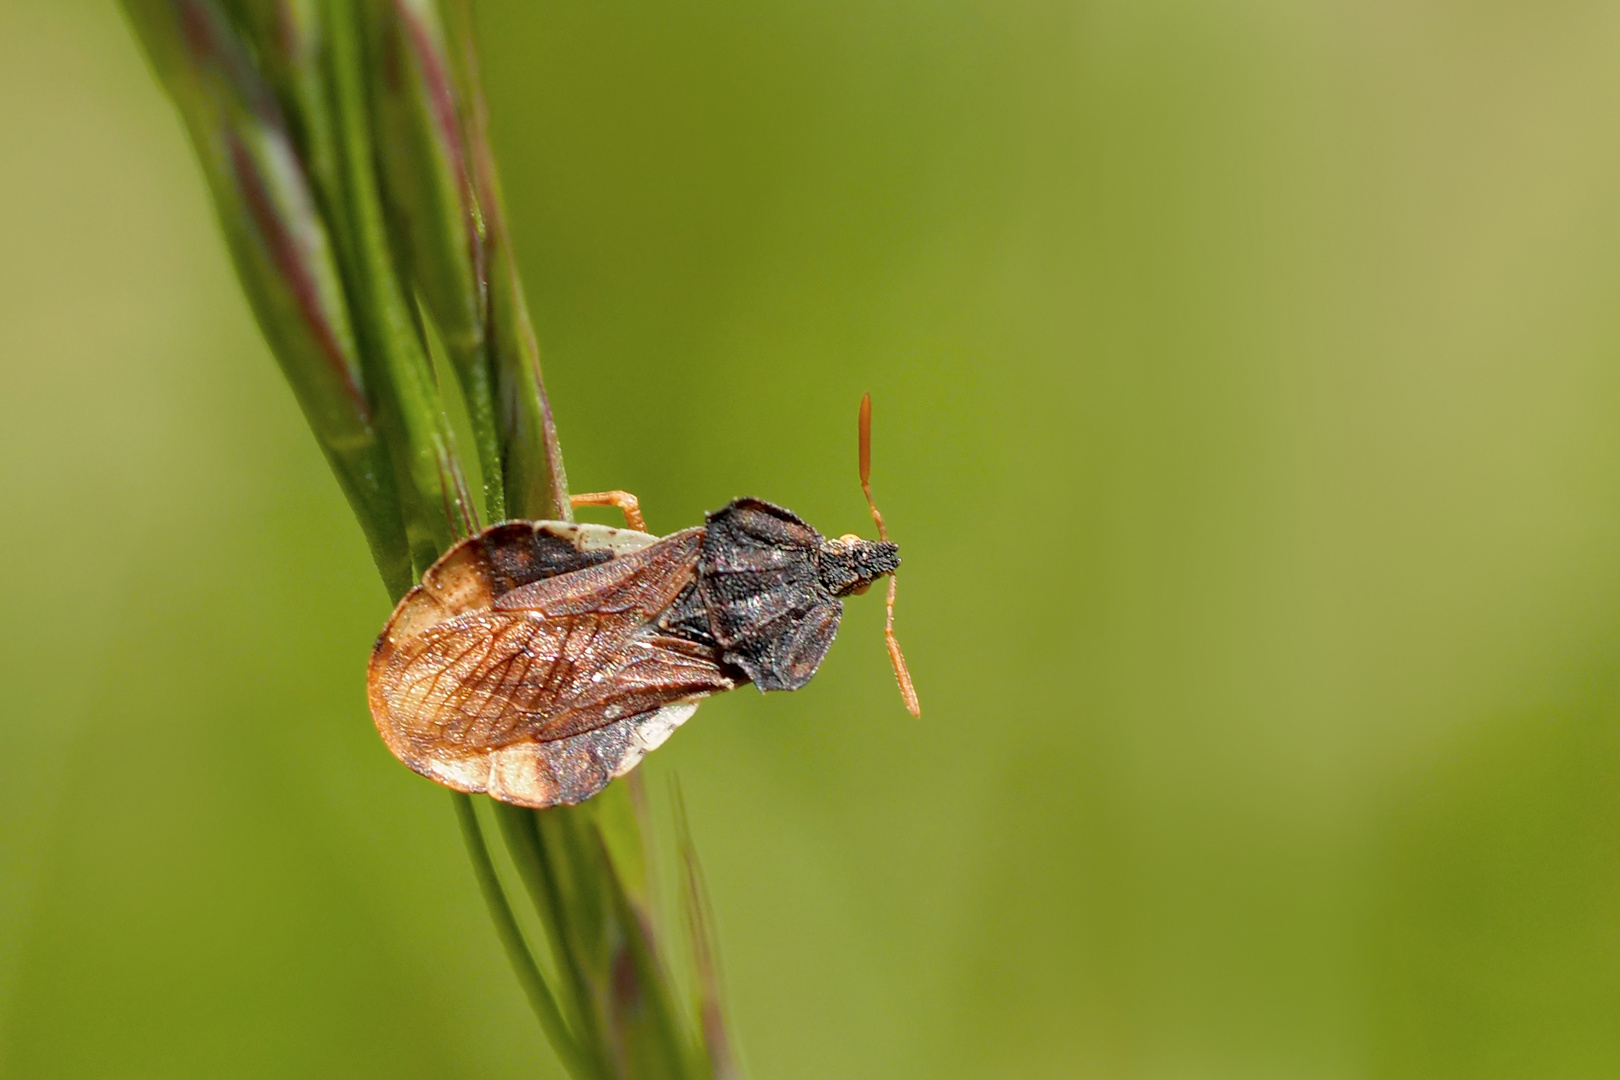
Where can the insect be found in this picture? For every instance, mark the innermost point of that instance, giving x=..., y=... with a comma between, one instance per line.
x=538, y=660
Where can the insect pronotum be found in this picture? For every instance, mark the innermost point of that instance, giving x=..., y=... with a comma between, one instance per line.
x=538, y=660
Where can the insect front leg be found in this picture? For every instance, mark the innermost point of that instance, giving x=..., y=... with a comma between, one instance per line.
x=626, y=502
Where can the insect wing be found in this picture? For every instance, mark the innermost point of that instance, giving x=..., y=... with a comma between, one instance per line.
x=607, y=659
x=542, y=693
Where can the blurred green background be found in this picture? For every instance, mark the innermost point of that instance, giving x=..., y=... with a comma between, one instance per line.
x=1247, y=400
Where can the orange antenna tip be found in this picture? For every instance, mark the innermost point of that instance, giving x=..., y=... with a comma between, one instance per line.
x=902, y=674
x=865, y=428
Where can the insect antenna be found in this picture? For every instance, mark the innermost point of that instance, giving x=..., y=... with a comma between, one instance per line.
x=902, y=675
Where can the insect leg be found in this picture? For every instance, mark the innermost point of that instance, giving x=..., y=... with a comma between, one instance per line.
x=625, y=501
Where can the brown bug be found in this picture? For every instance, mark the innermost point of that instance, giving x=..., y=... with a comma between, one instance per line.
x=538, y=660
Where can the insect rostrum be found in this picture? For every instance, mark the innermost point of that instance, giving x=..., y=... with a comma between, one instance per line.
x=536, y=661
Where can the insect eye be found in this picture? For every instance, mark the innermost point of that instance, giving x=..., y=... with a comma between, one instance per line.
x=861, y=591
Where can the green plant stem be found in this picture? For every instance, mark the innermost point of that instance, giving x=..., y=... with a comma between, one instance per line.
x=537, y=868
x=517, y=948
x=346, y=146
x=472, y=364
x=441, y=509
x=642, y=999
x=429, y=187
x=531, y=456
x=283, y=250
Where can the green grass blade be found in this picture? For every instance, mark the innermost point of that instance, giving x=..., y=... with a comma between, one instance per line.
x=517, y=948
x=427, y=181
x=531, y=457
x=282, y=248
x=442, y=508
x=346, y=144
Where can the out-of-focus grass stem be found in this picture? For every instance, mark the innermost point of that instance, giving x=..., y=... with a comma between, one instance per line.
x=715, y=1041
x=517, y=948
x=544, y=881
x=346, y=145
x=648, y=1030
x=282, y=248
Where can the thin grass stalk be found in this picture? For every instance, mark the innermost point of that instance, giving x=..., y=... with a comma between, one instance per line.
x=542, y=878
x=531, y=457
x=441, y=506
x=295, y=106
x=290, y=36
x=600, y=931
x=283, y=251
x=646, y=1027
x=529, y=975
x=275, y=216
x=431, y=193
x=606, y=955
x=718, y=1060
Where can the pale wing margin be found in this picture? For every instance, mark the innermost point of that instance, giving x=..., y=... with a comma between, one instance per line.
x=563, y=772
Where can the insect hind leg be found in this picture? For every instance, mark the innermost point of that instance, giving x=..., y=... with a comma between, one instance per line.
x=626, y=503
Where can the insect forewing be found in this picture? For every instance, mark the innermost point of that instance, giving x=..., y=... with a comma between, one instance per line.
x=515, y=691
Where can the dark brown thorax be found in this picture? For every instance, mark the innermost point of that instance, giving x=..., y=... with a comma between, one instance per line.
x=767, y=591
